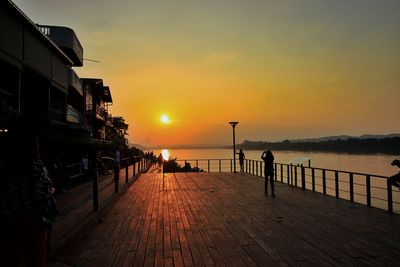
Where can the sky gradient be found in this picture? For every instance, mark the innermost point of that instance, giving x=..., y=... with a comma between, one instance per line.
x=283, y=69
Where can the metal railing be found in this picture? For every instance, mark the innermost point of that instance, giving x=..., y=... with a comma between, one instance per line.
x=369, y=189
x=138, y=165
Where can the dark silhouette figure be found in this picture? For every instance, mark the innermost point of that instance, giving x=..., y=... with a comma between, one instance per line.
x=27, y=204
x=268, y=158
x=241, y=160
x=395, y=179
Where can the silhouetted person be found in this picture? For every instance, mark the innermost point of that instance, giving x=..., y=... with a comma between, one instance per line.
x=395, y=179
x=268, y=158
x=241, y=160
x=27, y=204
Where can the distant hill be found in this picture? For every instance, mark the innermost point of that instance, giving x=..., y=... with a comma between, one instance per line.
x=385, y=144
x=345, y=137
x=138, y=146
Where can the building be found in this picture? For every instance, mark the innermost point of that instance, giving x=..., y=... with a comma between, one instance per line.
x=38, y=81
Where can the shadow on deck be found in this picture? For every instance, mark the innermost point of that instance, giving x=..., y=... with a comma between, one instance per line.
x=224, y=219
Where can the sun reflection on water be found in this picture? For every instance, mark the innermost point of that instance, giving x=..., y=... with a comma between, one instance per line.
x=165, y=154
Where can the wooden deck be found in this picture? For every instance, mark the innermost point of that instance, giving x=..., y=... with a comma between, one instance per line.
x=224, y=219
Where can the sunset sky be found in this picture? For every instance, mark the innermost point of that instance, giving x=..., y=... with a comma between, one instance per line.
x=283, y=69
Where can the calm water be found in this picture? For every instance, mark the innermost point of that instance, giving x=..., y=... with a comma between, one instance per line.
x=373, y=163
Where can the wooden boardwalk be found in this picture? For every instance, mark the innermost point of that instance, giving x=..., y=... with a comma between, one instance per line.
x=224, y=219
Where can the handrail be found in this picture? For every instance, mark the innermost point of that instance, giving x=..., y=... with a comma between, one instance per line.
x=353, y=186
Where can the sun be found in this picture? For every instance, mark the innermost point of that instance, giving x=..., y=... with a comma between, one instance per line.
x=165, y=119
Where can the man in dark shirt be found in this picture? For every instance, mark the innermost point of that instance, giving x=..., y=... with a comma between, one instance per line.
x=395, y=179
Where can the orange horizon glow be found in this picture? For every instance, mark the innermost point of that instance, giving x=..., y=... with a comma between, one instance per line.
x=284, y=70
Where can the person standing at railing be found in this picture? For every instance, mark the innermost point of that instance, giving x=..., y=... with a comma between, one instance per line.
x=395, y=179
x=117, y=160
x=268, y=158
x=241, y=160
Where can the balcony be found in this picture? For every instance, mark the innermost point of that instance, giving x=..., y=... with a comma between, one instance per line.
x=66, y=39
x=73, y=115
x=101, y=112
x=75, y=82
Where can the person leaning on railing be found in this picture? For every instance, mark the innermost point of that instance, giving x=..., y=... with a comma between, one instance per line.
x=395, y=179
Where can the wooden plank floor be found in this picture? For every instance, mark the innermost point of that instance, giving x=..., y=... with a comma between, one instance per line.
x=214, y=219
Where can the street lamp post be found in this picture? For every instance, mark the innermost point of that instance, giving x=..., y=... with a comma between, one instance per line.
x=233, y=124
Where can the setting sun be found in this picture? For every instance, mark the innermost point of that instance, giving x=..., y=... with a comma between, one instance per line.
x=165, y=119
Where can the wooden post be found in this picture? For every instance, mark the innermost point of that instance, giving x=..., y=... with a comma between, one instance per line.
x=247, y=166
x=288, y=174
x=295, y=175
x=134, y=167
x=231, y=166
x=324, y=182
x=303, y=178
x=313, y=179
x=276, y=171
x=219, y=161
x=208, y=165
x=389, y=197
x=351, y=187
x=281, y=173
x=368, y=183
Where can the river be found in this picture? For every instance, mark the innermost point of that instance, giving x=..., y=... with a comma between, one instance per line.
x=377, y=164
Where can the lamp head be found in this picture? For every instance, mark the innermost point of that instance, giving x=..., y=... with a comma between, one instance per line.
x=233, y=123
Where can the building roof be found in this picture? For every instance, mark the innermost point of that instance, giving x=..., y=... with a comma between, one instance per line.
x=28, y=22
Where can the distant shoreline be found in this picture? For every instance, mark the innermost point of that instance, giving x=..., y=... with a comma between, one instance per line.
x=386, y=146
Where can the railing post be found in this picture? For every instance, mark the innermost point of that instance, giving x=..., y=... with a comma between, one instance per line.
x=281, y=173
x=368, y=183
x=126, y=171
x=337, y=184
x=389, y=197
x=247, y=166
x=324, y=182
x=197, y=163
x=291, y=175
x=351, y=188
x=95, y=189
x=134, y=167
x=276, y=171
x=313, y=179
x=208, y=165
x=231, y=166
x=303, y=178
x=253, y=167
x=116, y=179
x=256, y=168
x=219, y=161
x=295, y=175
x=288, y=174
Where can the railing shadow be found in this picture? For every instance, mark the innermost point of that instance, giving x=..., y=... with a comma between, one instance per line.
x=367, y=189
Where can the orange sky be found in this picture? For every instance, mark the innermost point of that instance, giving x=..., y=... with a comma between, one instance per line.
x=283, y=69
